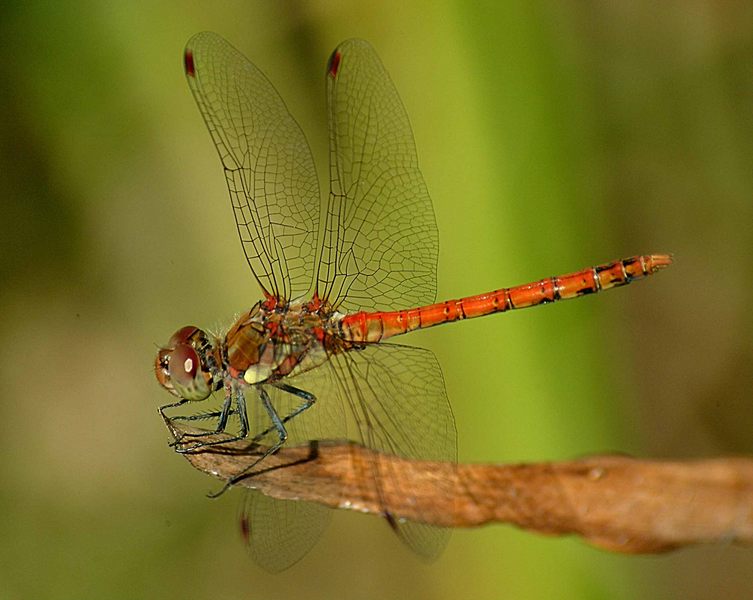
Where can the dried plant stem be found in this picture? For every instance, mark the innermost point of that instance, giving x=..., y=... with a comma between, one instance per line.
x=618, y=503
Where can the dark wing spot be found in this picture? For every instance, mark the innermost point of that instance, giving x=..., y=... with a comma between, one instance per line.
x=188, y=64
x=245, y=529
x=333, y=64
x=390, y=520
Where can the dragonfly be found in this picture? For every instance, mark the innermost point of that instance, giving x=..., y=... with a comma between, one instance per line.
x=338, y=277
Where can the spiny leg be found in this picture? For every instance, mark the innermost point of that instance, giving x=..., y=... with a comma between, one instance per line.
x=224, y=414
x=202, y=416
x=277, y=425
x=308, y=400
x=162, y=409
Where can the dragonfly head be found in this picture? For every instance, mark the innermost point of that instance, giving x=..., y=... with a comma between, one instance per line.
x=184, y=366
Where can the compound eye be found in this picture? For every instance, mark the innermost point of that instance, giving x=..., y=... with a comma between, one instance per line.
x=186, y=374
x=182, y=336
x=162, y=370
x=184, y=363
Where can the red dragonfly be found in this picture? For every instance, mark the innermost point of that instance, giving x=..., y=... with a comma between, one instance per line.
x=309, y=361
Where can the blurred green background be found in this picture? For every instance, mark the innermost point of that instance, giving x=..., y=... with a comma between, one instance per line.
x=552, y=136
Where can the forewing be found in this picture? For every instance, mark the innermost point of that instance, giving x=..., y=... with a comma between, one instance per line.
x=269, y=169
x=279, y=533
x=380, y=239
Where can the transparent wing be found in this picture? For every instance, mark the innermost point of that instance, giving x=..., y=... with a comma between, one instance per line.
x=380, y=240
x=279, y=533
x=389, y=398
x=268, y=165
x=397, y=397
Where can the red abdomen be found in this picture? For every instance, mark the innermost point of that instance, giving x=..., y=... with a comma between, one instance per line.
x=373, y=327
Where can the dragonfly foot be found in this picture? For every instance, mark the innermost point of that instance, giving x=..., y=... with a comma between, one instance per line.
x=228, y=484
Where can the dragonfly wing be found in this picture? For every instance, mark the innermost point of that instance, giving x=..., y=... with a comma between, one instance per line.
x=398, y=399
x=389, y=398
x=269, y=169
x=380, y=242
x=279, y=533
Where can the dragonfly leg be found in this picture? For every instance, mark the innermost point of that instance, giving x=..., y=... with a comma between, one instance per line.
x=223, y=415
x=197, y=417
x=162, y=410
x=202, y=416
x=308, y=400
x=171, y=405
x=307, y=397
x=277, y=425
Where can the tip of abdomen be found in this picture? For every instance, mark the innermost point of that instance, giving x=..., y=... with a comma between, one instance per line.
x=655, y=262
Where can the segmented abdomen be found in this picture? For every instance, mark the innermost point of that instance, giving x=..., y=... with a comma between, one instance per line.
x=373, y=327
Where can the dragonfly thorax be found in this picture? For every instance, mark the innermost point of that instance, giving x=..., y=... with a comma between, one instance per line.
x=266, y=344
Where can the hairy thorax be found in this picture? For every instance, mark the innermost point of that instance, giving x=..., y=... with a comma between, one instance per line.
x=270, y=342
